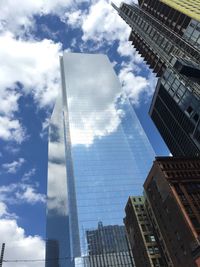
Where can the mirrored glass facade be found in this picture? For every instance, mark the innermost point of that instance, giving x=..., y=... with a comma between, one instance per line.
x=98, y=156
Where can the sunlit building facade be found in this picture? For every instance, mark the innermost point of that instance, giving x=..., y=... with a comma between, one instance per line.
x=191, y=8
x=98, y=156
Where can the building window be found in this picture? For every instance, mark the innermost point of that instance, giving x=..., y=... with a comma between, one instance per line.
x=183, y=249
x=143, y=227
x=152, y=238
x=189, y=110
x=196, y=117
x=177, y=235
x=150, y=250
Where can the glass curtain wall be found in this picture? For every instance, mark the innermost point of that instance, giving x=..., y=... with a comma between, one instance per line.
x=107, y=154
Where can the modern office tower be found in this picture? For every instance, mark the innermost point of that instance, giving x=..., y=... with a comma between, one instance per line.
x=140, y=234
x=175, y=110
x=168, y=37
x=98, y=156
x=108, y=246
x=172, y=191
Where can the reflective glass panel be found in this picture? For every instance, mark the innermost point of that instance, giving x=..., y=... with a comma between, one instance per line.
x=107, y=154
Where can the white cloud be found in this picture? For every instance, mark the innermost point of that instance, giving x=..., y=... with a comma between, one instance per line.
x=9, y=101
x=134, y=85
x=14, y=166
x=28, y=175
x=36, y=66
x=73, y=18
x=3, y=209
x=11, y=149
x=17, y=16
x=29, y=195
x=11, y=129
x=18, y=193
x=4, y=214
x=125, y=48
x=6, y=189
x=19, y=246
x=102, y=23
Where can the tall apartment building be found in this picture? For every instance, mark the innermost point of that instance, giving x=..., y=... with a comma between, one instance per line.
x=142, y=240
x=160, y=29
x=172, y=191
x=98, y=156
x=167, y=35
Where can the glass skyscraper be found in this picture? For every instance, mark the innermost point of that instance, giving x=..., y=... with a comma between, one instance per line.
x=98, y=156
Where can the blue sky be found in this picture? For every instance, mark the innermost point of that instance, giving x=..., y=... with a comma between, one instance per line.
x=32, y=36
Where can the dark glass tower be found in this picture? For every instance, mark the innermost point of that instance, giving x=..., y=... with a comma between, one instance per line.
x=169, y=41
x=175, y=110
x=98, y=156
